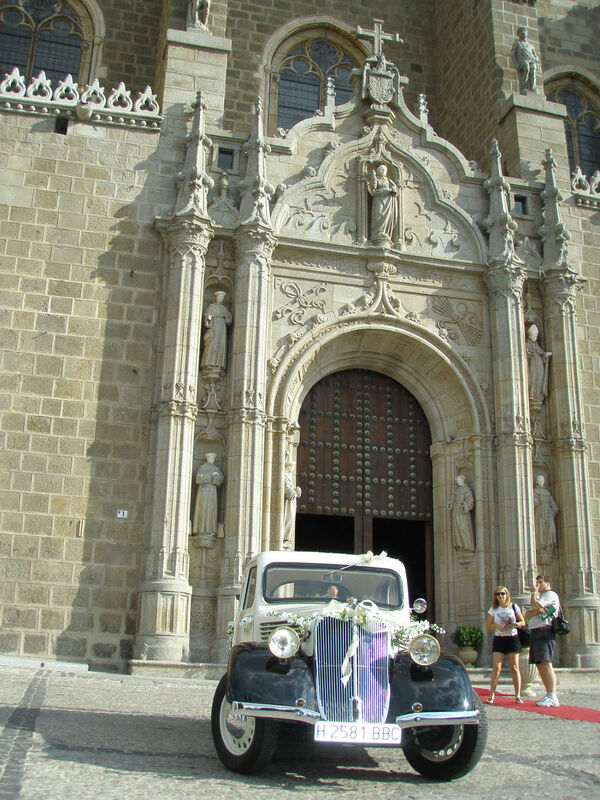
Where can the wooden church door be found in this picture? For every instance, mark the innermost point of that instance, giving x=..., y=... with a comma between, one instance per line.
x=364, y=468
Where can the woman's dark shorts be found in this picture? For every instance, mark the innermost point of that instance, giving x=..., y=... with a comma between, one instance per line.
x=541, y=645
x=506, y=644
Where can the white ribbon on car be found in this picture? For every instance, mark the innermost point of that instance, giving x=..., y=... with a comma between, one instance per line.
x=350, y=652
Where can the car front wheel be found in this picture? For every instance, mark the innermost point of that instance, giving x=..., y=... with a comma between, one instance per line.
x=244, y=744
x=446, y=752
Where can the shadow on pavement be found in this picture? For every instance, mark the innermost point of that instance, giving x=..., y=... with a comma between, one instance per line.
x=182, y=747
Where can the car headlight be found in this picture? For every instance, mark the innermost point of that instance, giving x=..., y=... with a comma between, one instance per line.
x=424, y=649
x=284, y=642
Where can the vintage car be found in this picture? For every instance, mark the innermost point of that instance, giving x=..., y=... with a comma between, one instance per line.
x=330, y=640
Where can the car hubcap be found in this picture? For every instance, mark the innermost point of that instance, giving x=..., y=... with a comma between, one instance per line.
x=237, y=730
x=445, y=747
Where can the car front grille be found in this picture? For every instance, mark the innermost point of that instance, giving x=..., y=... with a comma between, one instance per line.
x=366, y=695
x=267, y=628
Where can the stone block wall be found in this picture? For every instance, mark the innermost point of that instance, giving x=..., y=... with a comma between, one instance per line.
x=586, y=230
x=569, y=34
x=468, y=76
x=507, y=17
x=250, y=23
x=79, y=273
x=131, y=46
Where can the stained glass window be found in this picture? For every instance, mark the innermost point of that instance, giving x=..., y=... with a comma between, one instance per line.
x=303, y=73
x=582, y=126
x=40, y=35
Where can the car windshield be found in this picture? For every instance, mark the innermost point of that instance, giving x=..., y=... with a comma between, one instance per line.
x=324, y=582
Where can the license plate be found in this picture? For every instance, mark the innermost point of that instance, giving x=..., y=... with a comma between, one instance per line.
x=358, y=733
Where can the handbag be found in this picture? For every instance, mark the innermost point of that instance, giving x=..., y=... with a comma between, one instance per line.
x=523, y=632
x=560, y=626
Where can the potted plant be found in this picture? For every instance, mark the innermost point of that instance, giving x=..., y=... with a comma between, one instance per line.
x=469, y=640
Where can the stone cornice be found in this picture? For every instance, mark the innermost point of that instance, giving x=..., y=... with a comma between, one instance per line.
x=195, y=37
x=532, y=103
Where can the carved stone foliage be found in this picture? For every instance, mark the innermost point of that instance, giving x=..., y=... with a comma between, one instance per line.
x=301, y=303
x=321, y=216
x=340, y=204
x=459, y=320
x=429, y=232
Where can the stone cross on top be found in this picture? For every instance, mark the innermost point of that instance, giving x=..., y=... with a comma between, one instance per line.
x=378, y=36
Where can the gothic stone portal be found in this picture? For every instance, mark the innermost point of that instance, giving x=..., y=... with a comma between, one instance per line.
x=365, y=472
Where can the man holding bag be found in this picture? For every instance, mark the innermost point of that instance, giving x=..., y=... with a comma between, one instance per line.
x=545, y=605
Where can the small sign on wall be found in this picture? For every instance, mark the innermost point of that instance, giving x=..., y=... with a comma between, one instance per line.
x=122, y=513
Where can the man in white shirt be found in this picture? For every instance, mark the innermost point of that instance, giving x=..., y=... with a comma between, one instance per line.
x=545, y=605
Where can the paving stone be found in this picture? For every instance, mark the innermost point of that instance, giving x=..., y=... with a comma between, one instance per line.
x=70, y=735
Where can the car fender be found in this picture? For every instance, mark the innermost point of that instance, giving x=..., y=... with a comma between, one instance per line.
x=443, y=686
x=257, y=676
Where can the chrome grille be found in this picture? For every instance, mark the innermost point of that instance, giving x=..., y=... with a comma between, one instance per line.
x=366, y=695
x=267, y=628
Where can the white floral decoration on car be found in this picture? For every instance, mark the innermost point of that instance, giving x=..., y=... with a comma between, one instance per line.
x=246, y=622
x=365, y=615
x=301, y=624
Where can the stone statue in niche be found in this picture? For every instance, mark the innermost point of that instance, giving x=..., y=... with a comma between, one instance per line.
x=291, y=493
x=537, y=366
x=461, y=504
x=384, y=210
x=216, y=319
x=526, y=62
x=208, y=479
x=545, y=509
x=197, y=14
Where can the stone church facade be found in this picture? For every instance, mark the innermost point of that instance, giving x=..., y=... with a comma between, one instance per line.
x=331, y=283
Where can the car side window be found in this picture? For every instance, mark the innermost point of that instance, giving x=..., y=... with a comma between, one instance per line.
x=250, y=592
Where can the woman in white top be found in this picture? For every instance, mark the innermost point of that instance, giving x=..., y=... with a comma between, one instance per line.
x=504, y=617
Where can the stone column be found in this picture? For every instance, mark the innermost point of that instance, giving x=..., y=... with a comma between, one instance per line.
x=165, y=593
x=505, y=279
x=248, y=381
x=247, y=420
x=578, y=578
x=255, y=243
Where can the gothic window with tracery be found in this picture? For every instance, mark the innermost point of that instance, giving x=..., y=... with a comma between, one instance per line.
x=300, y=71
x=582, y=126
x=51, y=35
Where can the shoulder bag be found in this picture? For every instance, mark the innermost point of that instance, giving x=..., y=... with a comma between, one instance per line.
x=522, y=632
x=560, y=626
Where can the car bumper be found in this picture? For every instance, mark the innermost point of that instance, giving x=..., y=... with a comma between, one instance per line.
x=415, y=720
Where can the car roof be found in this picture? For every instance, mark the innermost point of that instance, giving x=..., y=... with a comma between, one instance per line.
x=312, y=557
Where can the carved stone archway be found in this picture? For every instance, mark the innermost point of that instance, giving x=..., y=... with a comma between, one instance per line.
x=452, y=400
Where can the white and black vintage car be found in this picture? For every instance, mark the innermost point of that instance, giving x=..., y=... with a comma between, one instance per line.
x=330, y=640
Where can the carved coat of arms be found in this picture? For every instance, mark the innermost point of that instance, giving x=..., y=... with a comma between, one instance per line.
x=380, y=87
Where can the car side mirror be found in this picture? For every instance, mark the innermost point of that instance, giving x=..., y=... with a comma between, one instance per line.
x=420, y=606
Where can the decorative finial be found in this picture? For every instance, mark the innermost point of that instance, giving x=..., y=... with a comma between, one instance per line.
x=499, y=224
x=553, y=231
x=194, y=181
x=257, y=191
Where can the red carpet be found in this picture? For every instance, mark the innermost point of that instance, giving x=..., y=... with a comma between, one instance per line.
x=564, y=712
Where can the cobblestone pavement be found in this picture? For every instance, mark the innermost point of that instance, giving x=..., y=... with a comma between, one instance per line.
x=73, y=736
